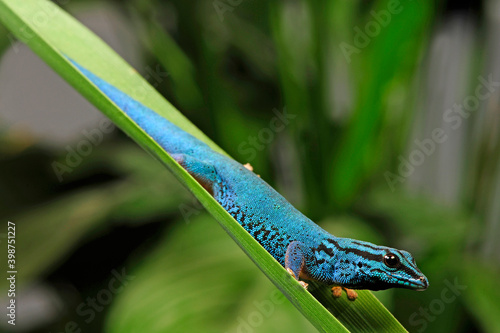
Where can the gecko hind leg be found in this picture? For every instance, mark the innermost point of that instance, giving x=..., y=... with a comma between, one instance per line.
x=203, y=172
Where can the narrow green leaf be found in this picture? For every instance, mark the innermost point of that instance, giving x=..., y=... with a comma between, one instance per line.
x=51, y=33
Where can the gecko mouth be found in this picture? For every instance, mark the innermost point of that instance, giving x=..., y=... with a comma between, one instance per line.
x=419, y=284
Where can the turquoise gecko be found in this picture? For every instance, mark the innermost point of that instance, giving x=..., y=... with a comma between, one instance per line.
x=302, y=247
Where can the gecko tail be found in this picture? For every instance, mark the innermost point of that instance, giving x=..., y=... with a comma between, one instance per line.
x=173, y=139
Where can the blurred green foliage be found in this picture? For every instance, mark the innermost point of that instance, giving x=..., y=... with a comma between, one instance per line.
x=228, y=71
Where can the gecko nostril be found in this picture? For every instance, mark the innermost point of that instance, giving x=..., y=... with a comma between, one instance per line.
x=424, y=281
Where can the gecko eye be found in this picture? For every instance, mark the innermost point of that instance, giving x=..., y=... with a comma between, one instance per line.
x=391, y=260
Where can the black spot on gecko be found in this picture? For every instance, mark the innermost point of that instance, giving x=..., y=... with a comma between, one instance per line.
x=325, y=249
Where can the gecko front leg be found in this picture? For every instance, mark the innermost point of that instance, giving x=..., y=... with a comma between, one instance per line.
x=295, y=261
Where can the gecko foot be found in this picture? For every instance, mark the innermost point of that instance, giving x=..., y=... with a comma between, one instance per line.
x=351, y=294
x=302, y=283
x=248, y=166
x=291, y=273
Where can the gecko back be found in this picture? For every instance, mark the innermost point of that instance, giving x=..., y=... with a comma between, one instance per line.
x=176, y=142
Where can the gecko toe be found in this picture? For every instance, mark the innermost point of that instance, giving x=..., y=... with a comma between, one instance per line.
x=303, y=284
x=351, y=294
x=337, y=291
x=248, y=166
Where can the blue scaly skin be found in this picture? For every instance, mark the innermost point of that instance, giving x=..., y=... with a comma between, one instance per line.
x=302, y=247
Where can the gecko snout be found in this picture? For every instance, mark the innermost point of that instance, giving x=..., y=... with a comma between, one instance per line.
x=423, y=283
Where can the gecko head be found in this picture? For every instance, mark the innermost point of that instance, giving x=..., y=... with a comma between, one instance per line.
x=379, y=267
x=396, y=269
